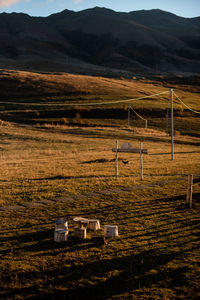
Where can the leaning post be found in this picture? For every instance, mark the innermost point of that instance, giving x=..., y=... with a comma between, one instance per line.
x=129, y=115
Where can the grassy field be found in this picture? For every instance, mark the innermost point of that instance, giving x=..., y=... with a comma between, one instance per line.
x=57, y=161
x=156, y=255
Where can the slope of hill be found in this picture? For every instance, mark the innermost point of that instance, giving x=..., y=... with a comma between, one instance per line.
x=148, y=41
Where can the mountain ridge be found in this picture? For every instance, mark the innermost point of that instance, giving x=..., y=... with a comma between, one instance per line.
x=153, y=40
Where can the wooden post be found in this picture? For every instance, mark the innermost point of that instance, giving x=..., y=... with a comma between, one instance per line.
x=116, y=160
x=189, y=191
x=145, y=123
x=129, y=115
x=141, y=162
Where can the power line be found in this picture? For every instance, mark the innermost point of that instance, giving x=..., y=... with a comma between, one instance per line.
x=85, y=104
x=195, y=111
x=138, y=114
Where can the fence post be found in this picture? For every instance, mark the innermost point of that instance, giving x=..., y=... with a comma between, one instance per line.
x=141, y=162
x=116, y=160
x=189, y=191
x=129, y=115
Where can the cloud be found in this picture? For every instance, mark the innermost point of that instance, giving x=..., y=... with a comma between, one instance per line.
x=78, y=1
x=7, y=2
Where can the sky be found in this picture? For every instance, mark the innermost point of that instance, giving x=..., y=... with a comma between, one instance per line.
x=184, y=8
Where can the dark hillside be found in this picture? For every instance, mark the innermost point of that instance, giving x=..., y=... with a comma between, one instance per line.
x=152, y=41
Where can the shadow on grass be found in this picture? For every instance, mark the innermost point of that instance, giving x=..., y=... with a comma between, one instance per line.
x=105, y=278
x=30, y=138
x=43, y=241
x=60, y=177
x=164, y=204
x=113, y=276
x=98, y=134
x=169, y=153
x=149, y=207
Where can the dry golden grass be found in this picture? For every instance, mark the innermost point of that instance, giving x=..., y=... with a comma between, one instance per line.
x=157, y=252
x=55, y=84
x=72, y=154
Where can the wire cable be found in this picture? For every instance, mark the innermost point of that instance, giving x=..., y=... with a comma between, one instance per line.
x=195, y=111
x=138, y=114
x=84, y=104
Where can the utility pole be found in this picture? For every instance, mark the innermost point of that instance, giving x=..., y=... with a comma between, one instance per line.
x=172, y=126
x=167, y=121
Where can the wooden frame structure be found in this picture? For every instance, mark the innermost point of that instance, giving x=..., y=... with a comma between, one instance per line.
x=127, y=148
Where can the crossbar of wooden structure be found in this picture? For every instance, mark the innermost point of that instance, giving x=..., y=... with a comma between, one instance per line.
x=133, y=150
